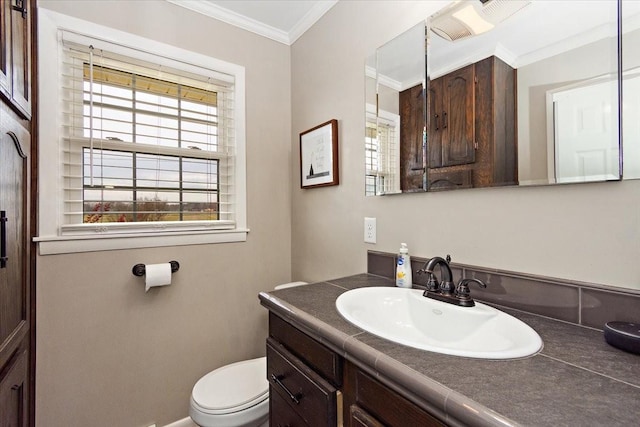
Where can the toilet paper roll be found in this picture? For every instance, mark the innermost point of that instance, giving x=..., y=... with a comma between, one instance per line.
x=157, y=275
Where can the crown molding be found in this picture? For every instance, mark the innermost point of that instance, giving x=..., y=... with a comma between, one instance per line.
x=315, y=13
x=249, y=24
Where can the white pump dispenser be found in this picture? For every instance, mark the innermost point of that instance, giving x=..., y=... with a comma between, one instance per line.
x=404, y=278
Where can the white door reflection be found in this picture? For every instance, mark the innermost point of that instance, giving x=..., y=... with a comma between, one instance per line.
x=585, y=131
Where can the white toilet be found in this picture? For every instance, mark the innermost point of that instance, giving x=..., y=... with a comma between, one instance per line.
x=235, y=395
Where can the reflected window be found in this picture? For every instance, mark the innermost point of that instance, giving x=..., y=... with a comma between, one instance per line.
x=381, y=156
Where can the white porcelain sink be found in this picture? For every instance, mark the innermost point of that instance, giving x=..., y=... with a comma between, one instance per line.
x=406, y=317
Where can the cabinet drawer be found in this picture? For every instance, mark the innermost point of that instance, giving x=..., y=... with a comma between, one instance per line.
x=314, y=354
x=306, y=392
x=281, y=414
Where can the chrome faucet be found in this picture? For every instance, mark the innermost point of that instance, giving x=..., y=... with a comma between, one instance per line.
x=445, y=290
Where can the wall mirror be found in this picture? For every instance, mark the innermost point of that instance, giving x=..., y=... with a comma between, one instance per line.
x=395, y=114
x=517, y=93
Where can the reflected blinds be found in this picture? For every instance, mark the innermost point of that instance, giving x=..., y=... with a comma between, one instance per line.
x=382, y=160
x=145, y=147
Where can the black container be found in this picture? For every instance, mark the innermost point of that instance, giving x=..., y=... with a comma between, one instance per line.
x=624, y=335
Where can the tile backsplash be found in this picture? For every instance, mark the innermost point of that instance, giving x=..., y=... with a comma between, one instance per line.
x=581, y=303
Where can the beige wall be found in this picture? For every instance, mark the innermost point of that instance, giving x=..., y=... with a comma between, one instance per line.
x=107, y=353
x=588, y=232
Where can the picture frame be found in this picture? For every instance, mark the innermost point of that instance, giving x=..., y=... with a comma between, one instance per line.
x=319, y=156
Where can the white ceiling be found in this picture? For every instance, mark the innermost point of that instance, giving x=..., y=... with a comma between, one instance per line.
x=280, y=20
x=540, y=30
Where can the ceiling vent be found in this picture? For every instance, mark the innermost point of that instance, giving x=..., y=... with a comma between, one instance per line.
x=466, y=18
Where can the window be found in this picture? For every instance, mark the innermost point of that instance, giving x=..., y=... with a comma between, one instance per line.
x=143, y=144
x=381, y=154
x=150, y=144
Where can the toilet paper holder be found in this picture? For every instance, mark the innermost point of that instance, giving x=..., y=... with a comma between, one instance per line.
x=140, y=269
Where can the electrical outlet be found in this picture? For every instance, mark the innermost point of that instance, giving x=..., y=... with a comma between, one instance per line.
x=369, y=230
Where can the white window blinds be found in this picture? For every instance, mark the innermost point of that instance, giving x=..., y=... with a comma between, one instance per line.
x=382, y=160
x=145, y=147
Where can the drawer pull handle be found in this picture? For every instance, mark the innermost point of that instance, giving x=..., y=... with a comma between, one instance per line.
x=294, y=398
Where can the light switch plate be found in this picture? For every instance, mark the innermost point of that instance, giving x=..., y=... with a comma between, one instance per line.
x=369, y=230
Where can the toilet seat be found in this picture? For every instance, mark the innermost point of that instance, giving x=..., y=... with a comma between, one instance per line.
x=232, y=388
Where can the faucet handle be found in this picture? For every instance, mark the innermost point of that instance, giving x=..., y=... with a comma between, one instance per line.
x=462, y=291
x=432, y=283
x=463, y=286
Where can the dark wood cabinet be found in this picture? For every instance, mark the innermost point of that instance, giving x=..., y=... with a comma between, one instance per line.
x=15, y=55
x=472, y=139
x=412, y=119
x=367, y=402
x=14, y=391
x=17, y=214
x=15, y=282
x=358, y=417
x=452, y=111
x=304, y=378
x=310, y=397
x=495, y=123
x=281, y=414
x=310, y=385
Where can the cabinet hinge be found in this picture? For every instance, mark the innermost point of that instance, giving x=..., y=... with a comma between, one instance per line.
x=475, y=79
x=475, y=145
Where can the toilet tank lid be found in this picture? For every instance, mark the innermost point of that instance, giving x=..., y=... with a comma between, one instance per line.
x=290, y=285
x=233, y=387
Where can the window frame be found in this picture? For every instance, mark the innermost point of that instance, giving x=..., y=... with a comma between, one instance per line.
x=51, y=240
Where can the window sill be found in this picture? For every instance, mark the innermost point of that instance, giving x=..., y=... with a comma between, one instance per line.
x=52, y=245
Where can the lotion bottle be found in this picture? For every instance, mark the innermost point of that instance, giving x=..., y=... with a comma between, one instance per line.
x=403, y=268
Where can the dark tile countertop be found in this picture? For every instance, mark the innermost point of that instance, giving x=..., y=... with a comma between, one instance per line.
x=576, y=380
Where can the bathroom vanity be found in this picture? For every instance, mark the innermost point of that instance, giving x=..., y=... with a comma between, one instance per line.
x=325, y=371
x=312, y=385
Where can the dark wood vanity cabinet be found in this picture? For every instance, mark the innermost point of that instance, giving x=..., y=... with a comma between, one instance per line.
x=471, y=140
x=310, y=385
x=304, y=376
x=367, y=402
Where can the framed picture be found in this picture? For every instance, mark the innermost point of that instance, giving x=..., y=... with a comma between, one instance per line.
x=319, y=156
